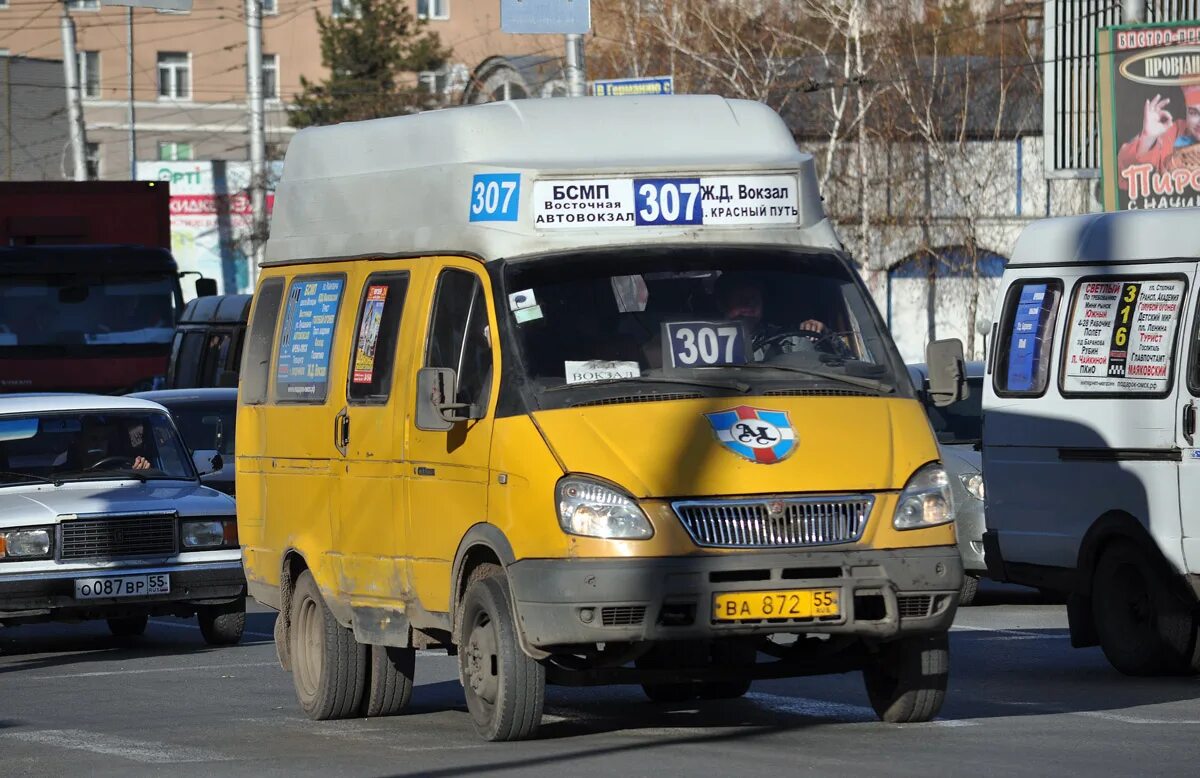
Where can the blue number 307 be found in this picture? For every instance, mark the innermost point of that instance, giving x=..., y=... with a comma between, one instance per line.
x=495, y=197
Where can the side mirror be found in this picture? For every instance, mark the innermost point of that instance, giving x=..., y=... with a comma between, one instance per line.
x=947, y=372
x=435, y=386
x=207, y=461
x=206, y=287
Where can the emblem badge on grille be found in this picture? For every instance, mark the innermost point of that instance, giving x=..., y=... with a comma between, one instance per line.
x=775, y=509
x=757, y=434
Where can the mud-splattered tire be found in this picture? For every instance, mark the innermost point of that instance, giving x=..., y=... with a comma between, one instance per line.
x=970, y=588
x=328, y=665
x=1145, y=626
x=223, y=625
x=906, y=681
x=128, y=626
x=505, y=689
x=389, y=680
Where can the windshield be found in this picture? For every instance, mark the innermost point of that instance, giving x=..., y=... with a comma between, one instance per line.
x=959, y=423
x=87, y=445
x=64, y=310
x=719, y=319
x=206, y=427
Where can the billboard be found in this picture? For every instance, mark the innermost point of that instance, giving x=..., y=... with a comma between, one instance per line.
x=1149, y=99
x=211, y=216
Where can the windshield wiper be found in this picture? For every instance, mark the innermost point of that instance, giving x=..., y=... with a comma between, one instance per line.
x=107, y=475
x=862, y=383
x=4, y=474
x=737, y=386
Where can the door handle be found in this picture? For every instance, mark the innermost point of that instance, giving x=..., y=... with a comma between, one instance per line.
x=341, y=431
x=1189, y=422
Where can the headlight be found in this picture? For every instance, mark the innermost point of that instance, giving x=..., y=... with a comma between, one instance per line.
x=925, y=501
x=586, y=507
x=973, y=483
x=209, y=533
x=25, y=543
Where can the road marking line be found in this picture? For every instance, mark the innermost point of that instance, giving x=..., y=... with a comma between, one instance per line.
x=1122, y=718
x=142, y=671
x=177, y=625
x=1009, y=634
x=109, y=745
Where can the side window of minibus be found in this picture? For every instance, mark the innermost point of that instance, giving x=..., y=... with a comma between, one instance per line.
x=458, y=335
x=1026, y=338
x=376, y=331
x=256, y=364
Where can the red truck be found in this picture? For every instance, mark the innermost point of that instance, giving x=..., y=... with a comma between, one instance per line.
x=89, y=291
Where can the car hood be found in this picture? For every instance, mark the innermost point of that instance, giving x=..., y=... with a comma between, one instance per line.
x=685, y=448
x=45, y=503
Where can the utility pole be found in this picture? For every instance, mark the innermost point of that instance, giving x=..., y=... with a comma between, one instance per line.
x=74, y=98
x=258, y=140
x=1133, y=11
x=130, y=111
x=575, y=76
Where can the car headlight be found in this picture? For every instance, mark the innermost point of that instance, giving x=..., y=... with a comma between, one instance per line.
x=209, y=533
x=925, y=501
x=27, y=543
x=973, y=483
x=590, y=508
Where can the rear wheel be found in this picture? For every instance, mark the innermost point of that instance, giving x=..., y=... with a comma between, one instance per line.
x=222, y=625
x=390, y=680
x=328, y=665
x=970, y=588
x=505, y=689
x=667, y=656
x=906, y=682
x=128, y=626
x=1144, y=626
x=734, y=656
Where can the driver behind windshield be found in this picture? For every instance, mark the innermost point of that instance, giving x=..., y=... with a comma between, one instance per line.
x=740, y=298
x=100, y=440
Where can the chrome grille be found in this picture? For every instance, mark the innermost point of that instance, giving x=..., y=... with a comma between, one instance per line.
x=775, y=522
x=117, y=536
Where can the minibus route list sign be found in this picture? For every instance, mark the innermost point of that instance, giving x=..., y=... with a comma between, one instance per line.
x=307, y=338
x=1123, y=336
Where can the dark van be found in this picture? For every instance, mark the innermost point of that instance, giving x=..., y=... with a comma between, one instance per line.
x=207, y=349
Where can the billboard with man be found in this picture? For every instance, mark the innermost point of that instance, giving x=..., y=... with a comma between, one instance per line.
x=1149, y=97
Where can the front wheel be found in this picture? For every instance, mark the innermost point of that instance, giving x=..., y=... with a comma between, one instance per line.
x=505, y=689
x=906, y=681
x=223, y=625
x=970, y=588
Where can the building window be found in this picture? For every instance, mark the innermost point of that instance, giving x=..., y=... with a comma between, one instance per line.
x=88, y=72
x=83, y=5
x=433, y=9
x=174, y=151
x=174, y=75
x=270, y=76
x=270, y=7
x=344, y=8
x=92, y=160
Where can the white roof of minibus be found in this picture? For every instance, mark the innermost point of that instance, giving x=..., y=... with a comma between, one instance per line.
x=403, y=185
x=1126, y=236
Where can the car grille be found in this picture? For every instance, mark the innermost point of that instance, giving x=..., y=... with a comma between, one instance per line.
x=623, y=616
x=913, y=606
x=771, y=522
x=117, y=536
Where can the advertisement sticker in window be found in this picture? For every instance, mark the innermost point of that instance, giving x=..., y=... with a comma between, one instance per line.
x=1122, y=336
x=368, y=335
x=303, y=372
x=1027, y=337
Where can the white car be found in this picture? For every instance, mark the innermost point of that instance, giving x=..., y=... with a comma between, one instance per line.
x=102, y=516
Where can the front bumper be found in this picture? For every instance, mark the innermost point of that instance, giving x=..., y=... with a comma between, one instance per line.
x=969, y=527
x=884, y=594
x=50, y=596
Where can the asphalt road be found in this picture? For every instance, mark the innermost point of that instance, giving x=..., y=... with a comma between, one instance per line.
x=75, y=701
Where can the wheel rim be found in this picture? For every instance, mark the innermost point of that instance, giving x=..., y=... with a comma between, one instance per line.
x=310, y=646
x=483, y=661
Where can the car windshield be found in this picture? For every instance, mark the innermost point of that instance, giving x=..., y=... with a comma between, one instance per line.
x=71, y=310
x=206, y=426
x=724, y=320
x=90, y=445
x=960, y=423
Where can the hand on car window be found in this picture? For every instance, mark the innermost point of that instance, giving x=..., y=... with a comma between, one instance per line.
x=141, y=463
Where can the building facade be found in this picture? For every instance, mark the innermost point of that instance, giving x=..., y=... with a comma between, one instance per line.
x=33, y=133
